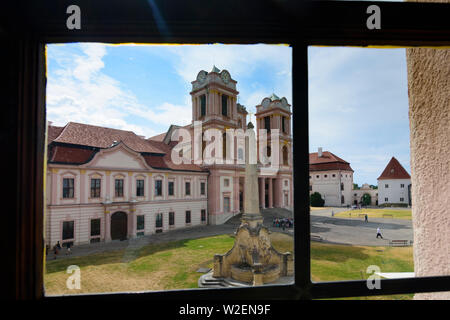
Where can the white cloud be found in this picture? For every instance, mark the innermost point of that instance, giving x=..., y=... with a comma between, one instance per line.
x=79, y=92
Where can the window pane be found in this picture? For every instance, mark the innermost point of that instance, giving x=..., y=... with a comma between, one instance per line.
x=140, y=222
x=95, y=227
x=67, y=232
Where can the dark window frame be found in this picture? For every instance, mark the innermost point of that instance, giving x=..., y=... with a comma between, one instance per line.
x=118, y=187
x=138, y=217
x=224, y=104
x=96, y=187
x=91, y=229
x=310, y=23
x=171, y=188
x=68, y=190
x=171, y=219
x=158, y=188
x=188, y=217
x=140, y=188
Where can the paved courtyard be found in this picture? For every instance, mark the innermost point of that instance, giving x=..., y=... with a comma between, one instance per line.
x=331, y=229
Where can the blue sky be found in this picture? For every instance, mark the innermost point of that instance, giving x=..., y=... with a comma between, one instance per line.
x=358, y=97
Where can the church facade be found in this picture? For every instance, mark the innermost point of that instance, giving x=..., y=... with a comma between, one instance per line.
x=104, y=184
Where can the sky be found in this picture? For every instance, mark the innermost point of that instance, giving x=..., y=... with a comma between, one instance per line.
x=357, y=97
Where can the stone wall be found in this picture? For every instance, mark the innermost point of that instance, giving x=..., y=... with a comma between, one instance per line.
x=429, y=114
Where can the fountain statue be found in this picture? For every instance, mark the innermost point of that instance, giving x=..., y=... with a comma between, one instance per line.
x=252, y=260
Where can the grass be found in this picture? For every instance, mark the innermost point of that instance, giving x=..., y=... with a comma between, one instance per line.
x=173, y=265
x=375, y=213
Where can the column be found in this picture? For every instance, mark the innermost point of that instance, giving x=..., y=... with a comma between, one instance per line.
x=108, y=185
x=107, y=225
x=262, y=202
x=132, y=223
x=236, y=193
x=83, y=186
x=270, y=193
x=130, y=186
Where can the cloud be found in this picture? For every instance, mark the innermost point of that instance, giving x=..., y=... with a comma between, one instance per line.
x=79, y=91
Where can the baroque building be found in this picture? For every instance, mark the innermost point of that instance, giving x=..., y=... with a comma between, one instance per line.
x=105, y=184
x=394, y=185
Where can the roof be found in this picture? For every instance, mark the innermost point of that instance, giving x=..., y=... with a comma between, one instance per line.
x=394, y=170
x=274, y=97
x=101, y=137
x=78, y=143
x=328, y=161
x=215, y=69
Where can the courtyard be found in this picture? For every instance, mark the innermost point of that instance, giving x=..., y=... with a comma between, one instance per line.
x=176, y=259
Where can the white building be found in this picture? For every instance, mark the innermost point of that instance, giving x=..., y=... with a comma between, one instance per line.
x=332, y=177
x=394, y=185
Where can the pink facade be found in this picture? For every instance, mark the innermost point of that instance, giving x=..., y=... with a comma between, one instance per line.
x=105, y=184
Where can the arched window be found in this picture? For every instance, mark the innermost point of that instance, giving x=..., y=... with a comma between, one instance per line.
x=285, y=156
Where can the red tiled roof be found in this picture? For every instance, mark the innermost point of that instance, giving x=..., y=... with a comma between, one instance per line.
x=328, y=161
x=101, y=137
x=73, y=155
x=53, y=132
x=394, y=170
x=156, y=153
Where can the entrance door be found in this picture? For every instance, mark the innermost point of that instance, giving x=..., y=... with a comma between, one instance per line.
x=119, y=226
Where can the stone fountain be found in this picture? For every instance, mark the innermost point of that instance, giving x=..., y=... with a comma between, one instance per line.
x=252, y=260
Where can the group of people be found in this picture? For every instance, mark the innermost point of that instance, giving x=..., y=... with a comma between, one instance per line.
x=57, y=248
x=283, y=223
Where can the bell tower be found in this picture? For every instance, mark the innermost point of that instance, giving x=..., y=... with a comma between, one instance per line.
x=214, y=101
x=275, y=113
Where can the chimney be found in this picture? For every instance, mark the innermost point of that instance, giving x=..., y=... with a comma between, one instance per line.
x=319, y=152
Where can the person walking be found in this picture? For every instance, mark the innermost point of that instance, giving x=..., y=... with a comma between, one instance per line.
x=68, y=248
x=379, y=233
x=366, y=218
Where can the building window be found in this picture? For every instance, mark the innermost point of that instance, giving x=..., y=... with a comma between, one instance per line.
x=310, y=187
x=188, y=216
x=158, y=187
x=342, y=199
x=402, y=185
x=170, y=187
x=68, y=190
x=285, y=156
x=267, y=123
x=224, y=145
x=286, y=183
x=283, y=125
x=202, y=105
x=325, y=176
x=140, y=222
x=67, y=232
x=402, y=199
x=333, y=175
x=139, y=188
x=171, y=218
x=342, y=186
x=95, y=230
x=203, y=215
x=240, y=154
x=119, y=188
x=159, y=220
x=386, y=199
x=317, y=176
x=226, y=182
x=202, y=188
x=386, y=186
x=355, y=194
x=95, y=188
x=226, y=204
x=224, y=105
x=187, y=189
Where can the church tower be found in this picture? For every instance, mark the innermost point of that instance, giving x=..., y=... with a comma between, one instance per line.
x=214, y=101
x=275, y=113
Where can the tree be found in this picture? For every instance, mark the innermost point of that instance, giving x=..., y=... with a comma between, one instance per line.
x=316, y=200
x=355, y=186
x=366, y=199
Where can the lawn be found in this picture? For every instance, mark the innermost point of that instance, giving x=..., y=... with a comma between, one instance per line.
x=173, y=265
x=375, y=213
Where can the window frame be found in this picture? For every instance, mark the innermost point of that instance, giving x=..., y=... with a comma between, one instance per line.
x=28, y=125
